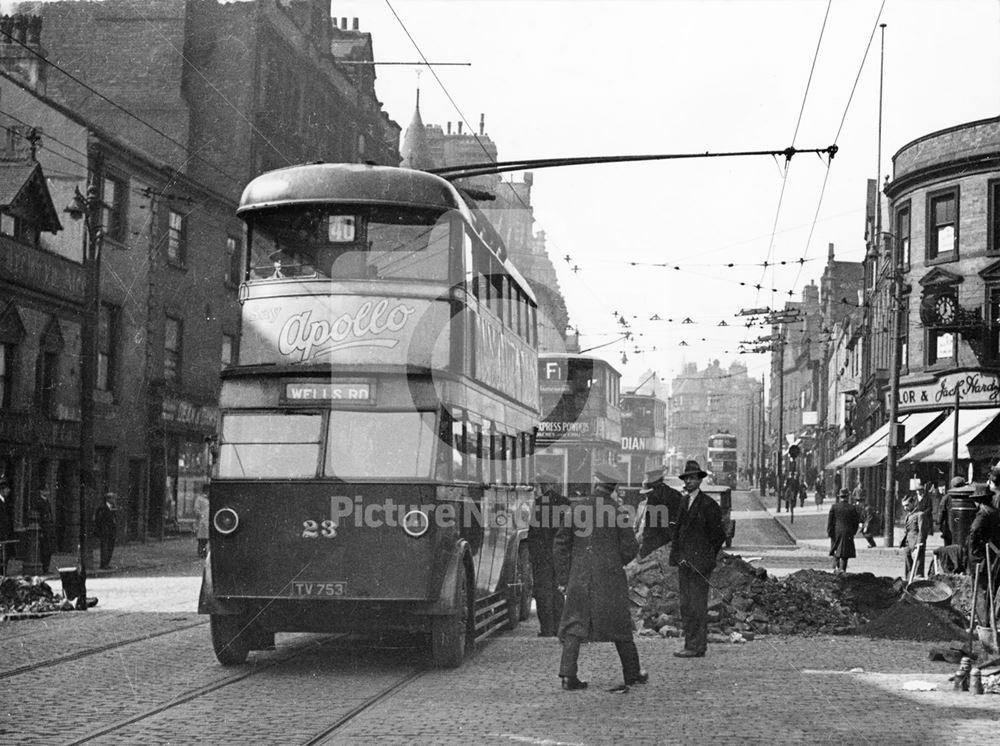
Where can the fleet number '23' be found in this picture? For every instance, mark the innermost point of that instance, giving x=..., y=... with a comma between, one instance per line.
x=313, y=530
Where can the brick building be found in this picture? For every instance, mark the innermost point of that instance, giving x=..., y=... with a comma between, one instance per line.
x=223, y=91
x=703, y=402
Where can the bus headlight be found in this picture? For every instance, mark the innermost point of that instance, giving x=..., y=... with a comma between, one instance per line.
x=416, y=523
x=225, y=521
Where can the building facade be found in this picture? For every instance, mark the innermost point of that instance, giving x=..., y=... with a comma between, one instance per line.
x=708, y=401
x=169, y=160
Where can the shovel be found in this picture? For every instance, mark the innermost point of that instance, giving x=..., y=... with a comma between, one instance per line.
x=913, y=566
x=972, y=612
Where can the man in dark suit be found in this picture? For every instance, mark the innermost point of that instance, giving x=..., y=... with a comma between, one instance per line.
x=6, y=524
x=659, y=521
x=46, y=528
x=545, y=521
x=106, y=528
x=590, y=553
x=698, y=539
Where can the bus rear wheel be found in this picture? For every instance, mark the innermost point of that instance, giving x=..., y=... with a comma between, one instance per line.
x=230, y=639
x=449, y=633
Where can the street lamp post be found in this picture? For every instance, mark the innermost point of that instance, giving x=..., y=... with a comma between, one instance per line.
x=88, y=207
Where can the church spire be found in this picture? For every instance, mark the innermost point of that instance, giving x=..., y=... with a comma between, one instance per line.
x=415, y=151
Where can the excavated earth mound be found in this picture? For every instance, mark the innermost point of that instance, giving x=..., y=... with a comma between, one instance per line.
x=745, y=599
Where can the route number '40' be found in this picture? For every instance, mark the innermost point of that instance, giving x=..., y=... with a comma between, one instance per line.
x=313, y=530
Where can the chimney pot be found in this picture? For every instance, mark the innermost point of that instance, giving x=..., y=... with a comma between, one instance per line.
x=449, y=128
x=482, y=123
x=460, y=127
x=354, y=24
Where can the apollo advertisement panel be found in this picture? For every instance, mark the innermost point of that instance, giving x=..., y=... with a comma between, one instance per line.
x=345, y=329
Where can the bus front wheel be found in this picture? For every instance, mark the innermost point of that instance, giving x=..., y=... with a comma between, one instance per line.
x=449, y=632
x=230, y=639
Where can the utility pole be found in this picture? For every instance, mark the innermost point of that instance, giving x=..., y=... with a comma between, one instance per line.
x=775, y=342
x=895, y=436
x=89, y=209
x=763, y=471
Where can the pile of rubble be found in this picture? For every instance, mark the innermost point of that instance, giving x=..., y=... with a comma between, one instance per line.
x=744, y=600
x=24, y=597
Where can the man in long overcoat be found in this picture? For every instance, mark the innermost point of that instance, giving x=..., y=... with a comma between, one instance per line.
x=7, y=552
x=106, y=528
x=545, y=521
x=841, y=525
x=46, y=528
x=697, y=541
x=590, y=553
x=659, y=520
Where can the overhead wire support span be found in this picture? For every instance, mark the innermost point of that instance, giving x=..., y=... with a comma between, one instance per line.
x=484, y=169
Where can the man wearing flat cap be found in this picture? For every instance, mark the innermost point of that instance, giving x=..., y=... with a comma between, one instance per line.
x=697, y=541
x=546, y=518
x=590, y=553
x=659, y=519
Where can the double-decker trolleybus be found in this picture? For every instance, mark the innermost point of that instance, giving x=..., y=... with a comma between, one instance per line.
x=376, y=435
x=722, y=458
x=580, y=425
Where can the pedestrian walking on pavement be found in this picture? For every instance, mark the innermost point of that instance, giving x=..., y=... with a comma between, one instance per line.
x=869, y=524
x=590, y=553
x=201, y=509
x=841, y=526
x=659, y=521
x=819, y=493
x=697, y=541
x=46, y=528
x=546, y=518
x=791, y=494
x=106, y=528
x=7, y=551
x=915, y=531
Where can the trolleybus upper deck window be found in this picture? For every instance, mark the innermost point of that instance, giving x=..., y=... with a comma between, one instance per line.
x=352, y=243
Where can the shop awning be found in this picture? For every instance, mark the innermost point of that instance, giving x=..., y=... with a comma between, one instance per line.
x=852, y=453
x=913, y=425
x=938, y=445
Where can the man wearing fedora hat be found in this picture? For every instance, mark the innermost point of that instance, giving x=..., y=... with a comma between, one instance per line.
x=106, y=528
x=590, y=552
x=659, y=518
x=697, y=540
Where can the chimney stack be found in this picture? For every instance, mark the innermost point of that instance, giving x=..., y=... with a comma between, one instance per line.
x=27, y=65
x=482, y=123
x=343, y=23
x=460, y=126
x=449, y=128
x=354, y=24
x=829, y=253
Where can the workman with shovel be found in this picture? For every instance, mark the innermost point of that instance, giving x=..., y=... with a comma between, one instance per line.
x=984, y=540
x=916, y=528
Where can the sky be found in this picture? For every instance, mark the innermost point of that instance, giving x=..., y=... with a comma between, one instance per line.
x=560, y=78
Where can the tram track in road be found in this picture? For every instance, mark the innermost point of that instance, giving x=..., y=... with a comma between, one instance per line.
x=201, y=691
x=58, y=660
x=322, y=736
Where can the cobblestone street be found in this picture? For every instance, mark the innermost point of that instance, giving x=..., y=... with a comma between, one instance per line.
x=151, y=677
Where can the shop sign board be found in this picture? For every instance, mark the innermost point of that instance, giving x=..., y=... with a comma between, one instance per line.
x=974, y=388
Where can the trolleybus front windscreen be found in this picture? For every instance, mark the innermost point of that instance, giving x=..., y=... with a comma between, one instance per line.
x=380, y=445
x=269, y=446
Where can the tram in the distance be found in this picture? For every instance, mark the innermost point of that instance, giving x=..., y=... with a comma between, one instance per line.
x=377, y=433
x=721, y=458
